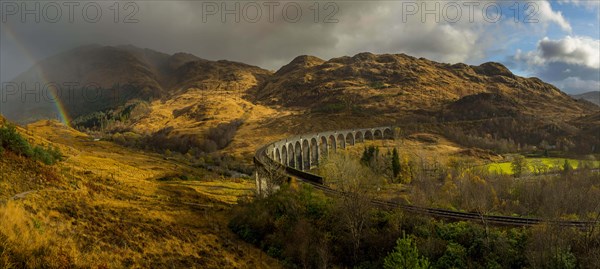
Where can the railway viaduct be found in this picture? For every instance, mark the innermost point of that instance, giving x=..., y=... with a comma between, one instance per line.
x=303, y=152
x=295, y=156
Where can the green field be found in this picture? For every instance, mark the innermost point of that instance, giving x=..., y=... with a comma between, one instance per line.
x=538, y=164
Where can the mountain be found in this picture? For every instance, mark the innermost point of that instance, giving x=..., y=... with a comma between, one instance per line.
x=593, y=97
x=191, y=105
x=95, y=78
x=388, y=83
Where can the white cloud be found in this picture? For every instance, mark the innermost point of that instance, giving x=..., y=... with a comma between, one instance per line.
x=547, y=15
x=572, y=50
x=571, y=63
x=590, y=4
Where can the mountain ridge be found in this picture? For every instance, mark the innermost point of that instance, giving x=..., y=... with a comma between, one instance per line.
x=182, y=98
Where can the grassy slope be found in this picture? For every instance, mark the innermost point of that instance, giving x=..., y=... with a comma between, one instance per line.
x=551, y=163
x=216, y=107
x=106, y=209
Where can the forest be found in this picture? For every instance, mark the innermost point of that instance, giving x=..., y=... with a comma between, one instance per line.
x=307, y=229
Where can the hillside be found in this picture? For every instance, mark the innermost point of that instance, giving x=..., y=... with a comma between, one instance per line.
x=190, y=105
x=105, y=206
x=392, y=83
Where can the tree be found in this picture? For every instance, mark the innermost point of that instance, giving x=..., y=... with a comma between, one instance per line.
x=395, y=163
x=405, y=256
x=539, y=167
x=369, y=154
x=518, y=165
x=406, y=170
x=455, y=256
x=567, y=168
x=356, y=183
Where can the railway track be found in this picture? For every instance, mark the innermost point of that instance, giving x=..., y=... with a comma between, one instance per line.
x=261, y=159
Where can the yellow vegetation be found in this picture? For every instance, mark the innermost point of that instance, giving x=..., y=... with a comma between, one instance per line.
x=107, y=208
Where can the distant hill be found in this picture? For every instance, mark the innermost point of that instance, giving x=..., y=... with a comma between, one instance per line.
x=593, y=97
x=95, y=78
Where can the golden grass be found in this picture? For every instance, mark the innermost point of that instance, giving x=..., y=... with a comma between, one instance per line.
x=108, y=210
x=217, y=106
x=30, y=240
x=440, y=151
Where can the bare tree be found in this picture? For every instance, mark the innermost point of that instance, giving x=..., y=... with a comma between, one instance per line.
x=357, y=185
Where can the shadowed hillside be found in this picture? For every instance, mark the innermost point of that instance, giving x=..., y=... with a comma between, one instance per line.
x=96, y=78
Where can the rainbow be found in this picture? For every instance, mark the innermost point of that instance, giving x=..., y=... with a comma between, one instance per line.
x=60, y=108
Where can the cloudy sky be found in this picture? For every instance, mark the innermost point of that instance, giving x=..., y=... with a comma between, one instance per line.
x=557, y=41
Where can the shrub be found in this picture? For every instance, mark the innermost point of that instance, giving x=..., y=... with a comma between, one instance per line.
x=13, y=141
x=10, y=139
x=564, y=259
x=454, y=257
x=43, y=156
x=405, y=256
x=330, y=108
x=377, y=85
x=49, y=155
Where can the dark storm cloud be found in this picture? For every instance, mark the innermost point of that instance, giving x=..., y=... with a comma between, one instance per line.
x=269, y=41
x=559, y=71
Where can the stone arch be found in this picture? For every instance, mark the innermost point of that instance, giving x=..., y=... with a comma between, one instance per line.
x=341, y=141
x=323, y=147
x=305, y=154
x=284, y=155
x=368, y=135
x=314, y=152
x=277, y=155
x=350, y=139
x=377, y=134
x=358, y=137
x=388, y=133
x=291, y=155
x=332, y=143
x=298, y=155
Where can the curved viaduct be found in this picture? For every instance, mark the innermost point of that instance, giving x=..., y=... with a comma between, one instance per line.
x=295, y=155
x=303, y=152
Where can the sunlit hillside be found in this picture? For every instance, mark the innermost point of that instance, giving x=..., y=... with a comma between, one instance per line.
x=107, y=206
